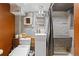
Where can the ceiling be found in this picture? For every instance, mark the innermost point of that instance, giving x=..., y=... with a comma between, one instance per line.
x=31, y=7
x=62, y=6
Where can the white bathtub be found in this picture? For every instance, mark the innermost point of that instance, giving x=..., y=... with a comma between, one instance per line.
x=21, y=50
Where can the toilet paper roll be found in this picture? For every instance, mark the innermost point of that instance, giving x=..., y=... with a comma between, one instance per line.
x=1, y=51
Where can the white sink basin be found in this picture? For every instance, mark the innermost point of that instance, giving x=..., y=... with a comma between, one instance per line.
x=40, y=33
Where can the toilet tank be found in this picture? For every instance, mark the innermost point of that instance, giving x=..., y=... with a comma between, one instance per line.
x=25, y=41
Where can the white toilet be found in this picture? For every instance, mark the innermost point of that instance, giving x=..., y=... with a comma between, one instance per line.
x=23, y=49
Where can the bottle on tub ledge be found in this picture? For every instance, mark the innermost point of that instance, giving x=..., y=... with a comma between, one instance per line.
x=16, y=36
x=22, y=35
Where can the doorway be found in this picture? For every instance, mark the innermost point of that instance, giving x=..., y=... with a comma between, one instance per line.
x=62, y=28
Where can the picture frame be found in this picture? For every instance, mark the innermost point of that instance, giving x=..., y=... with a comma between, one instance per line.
x=27, y=20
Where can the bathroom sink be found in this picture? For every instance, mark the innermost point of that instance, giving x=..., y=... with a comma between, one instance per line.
x=40, y=33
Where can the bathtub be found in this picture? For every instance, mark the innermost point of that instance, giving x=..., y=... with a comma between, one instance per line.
x=21, y=50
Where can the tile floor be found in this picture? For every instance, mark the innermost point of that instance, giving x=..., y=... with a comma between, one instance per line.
x=61, y=47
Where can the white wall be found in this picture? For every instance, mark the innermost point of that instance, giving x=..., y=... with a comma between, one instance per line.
x=27, y=29
x=21, y=28
x=17, y=24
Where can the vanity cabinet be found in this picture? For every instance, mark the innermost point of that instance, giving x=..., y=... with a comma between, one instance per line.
x=40, y=45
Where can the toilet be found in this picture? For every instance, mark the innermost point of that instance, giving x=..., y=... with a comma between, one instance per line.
x=23, y=48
